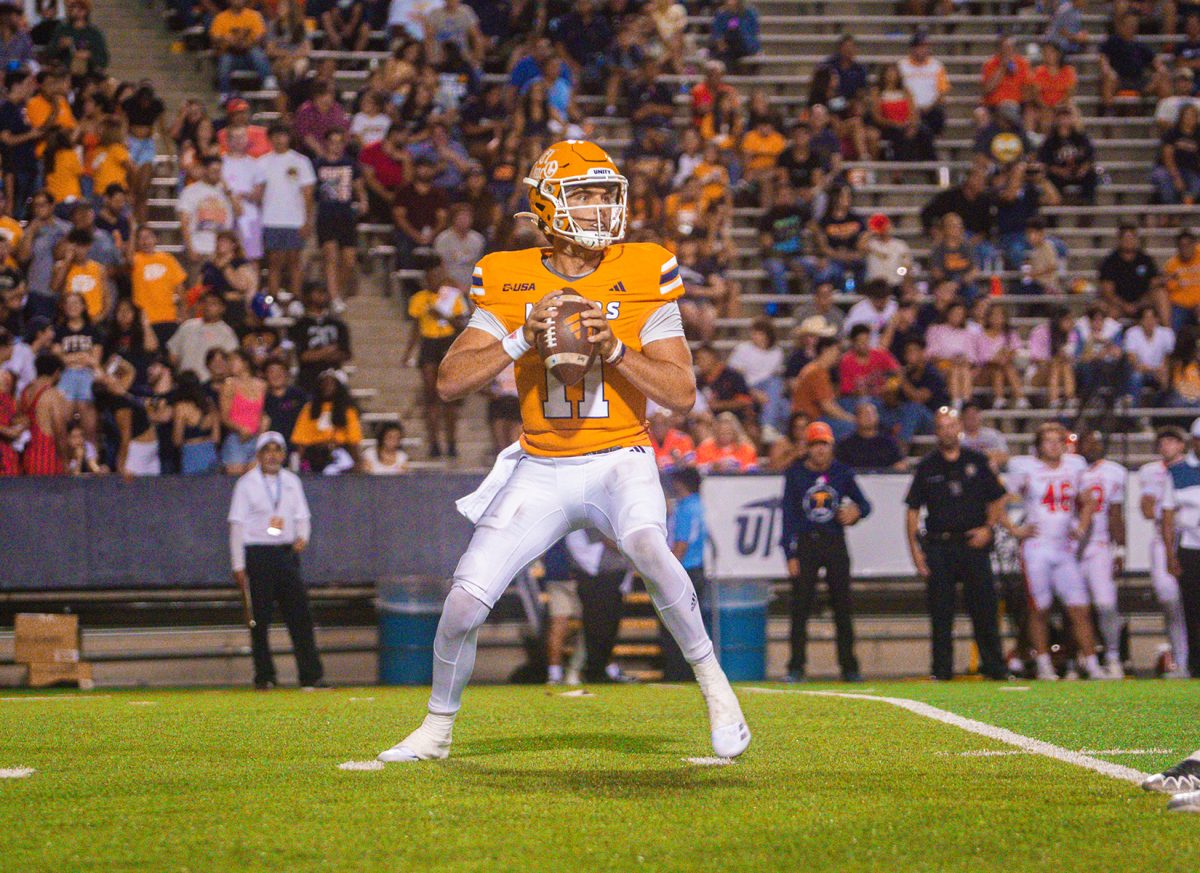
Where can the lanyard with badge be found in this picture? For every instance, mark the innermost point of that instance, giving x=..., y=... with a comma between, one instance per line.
x=275, y=524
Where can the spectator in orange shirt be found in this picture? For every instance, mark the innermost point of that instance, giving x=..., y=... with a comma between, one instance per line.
x=157, y=279
x=48, y=109
x=76, y=273
x=672, y=447
x=761, y=147
x=1053, y=85
x=1182, y=272
x=727, y=450
x=813, y=392
x=111, y=163
x=1005, y=75
x=237, y=35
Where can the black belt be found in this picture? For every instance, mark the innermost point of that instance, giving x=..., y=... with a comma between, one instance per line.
x=271, y=546
x=947, y=536
x=606, y=451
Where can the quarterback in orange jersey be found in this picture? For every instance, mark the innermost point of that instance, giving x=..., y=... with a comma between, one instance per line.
x=584, y=458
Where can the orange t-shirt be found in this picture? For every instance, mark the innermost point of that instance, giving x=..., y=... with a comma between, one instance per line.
x=109, y=166
x=814, y=387
x=677, y=448
x=87, y=280
x=762, y=151
x=156, y=277
x=740, y=457
x=11, y=230
x=228, y=21
x=39, y=110
x=1012, y=87
x=1053, y=88
x=64, y=181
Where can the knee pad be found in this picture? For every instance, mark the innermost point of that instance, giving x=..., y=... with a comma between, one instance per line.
x=462, y=613
x=645, y=547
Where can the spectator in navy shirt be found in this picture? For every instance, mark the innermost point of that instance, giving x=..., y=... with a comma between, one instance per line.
x=868, y=448
x=852, y=76
x=283, y=401
x=1129, y=65
x=734, y=32
x=820, y=499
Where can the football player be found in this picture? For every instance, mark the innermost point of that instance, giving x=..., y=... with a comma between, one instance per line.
x=1152, y=477
x=1049, y=483
x=584, y=458
x=1104, y=554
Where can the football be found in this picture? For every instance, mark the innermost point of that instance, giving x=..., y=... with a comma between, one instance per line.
x=565, y=349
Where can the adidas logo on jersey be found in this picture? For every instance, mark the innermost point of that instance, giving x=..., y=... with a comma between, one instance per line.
x=619, y=288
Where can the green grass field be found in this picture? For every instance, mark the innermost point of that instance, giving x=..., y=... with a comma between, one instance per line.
x=234, y=780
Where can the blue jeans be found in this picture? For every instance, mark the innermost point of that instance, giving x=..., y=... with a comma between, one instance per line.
x=912, y=418
x=1137, y=381
x=1164, y=187
x=1015, y=247
x=779, y=267
x=817, y=274
x=840, y=428
x=1181, y=317
x=778, y=408
x=255, y=60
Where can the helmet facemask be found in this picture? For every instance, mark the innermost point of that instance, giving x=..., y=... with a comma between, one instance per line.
x=591, y=225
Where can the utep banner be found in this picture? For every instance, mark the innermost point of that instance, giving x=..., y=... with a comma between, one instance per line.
x=745, y=527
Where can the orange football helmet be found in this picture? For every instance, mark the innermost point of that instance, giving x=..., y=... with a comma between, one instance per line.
x=572, y=166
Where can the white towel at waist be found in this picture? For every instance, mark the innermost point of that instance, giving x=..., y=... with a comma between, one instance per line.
x=475, y=504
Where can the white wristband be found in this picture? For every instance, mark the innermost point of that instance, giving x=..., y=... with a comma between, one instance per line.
x=618, y=352
x=514, y=344
x=1118, y=553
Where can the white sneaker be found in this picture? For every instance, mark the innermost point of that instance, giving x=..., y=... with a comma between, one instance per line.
x=728, y=730
x=1189, y=802
x=1047, y=674
x=1114, y=670
x=270, y=84
x=999, y=403
x=1022, y=403
x=429, y=742
x=1072, y=675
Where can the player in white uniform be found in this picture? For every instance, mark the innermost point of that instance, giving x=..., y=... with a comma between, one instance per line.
x=1050, y=484
x=1152, y=477
x=1104, y=554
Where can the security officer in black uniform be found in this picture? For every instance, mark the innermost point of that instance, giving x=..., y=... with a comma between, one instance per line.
x=964, y=500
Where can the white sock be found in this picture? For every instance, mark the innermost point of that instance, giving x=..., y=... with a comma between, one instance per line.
x=1091, y=665
x=1044, y=664
x=438, y=725
x=1176, y=632
x=554, y=673
x=1110, y=630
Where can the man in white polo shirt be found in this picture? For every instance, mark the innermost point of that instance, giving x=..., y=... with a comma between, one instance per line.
x=269, y=526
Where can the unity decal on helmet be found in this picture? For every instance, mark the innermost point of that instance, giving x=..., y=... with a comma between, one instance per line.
x=577, y=193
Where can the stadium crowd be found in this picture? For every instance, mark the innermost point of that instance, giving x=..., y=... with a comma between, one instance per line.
x=429, y=149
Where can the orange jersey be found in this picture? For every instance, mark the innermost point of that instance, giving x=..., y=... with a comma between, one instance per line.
x=636, y=284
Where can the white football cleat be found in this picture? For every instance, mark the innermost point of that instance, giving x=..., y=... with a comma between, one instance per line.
x=1114, y=670
x=729, y=733
x=1183, y=778
x=429, y=742
x=1189, y=802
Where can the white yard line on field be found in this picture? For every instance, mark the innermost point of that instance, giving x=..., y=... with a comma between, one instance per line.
x=1002, y=735
x=33, y=698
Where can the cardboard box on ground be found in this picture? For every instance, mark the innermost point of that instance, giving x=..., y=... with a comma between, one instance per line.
x=49, y=644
